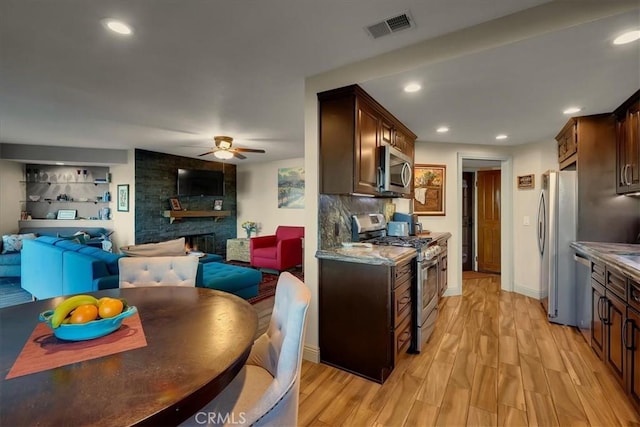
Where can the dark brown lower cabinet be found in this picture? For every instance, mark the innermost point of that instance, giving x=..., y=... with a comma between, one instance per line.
x=632, y=344
x=597, y=322
x=615, y=326
x=616, y=311
x=364, y=315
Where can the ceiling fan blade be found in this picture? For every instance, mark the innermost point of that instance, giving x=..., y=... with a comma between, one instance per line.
x=238, y=155
x=208, y=152
x=248, y=150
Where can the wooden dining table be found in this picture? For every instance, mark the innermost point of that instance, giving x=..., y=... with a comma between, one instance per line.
x=197, y=340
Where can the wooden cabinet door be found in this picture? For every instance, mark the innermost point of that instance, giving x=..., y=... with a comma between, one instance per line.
x=633, y=147
x=628, y=155
x=387, y=134
x=489, y=221
x=614, y=348
x=567, y=144
x=597, y=324
x=632, y=338
x=366, y=143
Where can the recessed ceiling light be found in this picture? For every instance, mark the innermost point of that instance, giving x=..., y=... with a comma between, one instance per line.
x=442, y=129
x=628, y=37
x=412, y=87
x=572, y=110
x=59, y=163
x=501, y=136
x=118, y=26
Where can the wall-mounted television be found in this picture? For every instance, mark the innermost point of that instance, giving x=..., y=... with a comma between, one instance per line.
x=200, y=182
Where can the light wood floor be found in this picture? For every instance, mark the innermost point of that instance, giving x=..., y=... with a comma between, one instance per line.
x=493, y=359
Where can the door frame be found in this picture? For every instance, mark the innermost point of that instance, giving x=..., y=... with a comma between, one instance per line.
x=506, y=215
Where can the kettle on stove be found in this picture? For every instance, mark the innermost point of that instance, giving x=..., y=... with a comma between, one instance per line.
x=412, y=219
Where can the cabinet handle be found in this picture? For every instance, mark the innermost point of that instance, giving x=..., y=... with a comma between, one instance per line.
x=627, y=168
x=405, y=300
x=622, y=171
x=634, y=295
x=625, y=334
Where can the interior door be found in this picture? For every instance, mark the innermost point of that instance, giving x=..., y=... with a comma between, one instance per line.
x=467, y=221
x=489, y=221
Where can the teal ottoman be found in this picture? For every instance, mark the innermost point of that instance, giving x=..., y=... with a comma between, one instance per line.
x=240, y=281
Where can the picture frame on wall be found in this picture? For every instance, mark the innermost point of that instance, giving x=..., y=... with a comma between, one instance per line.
x=67, y=214
x=175, y=204
x=526, y=182
x=429, y=189
x=123, y=197
x=217, y=205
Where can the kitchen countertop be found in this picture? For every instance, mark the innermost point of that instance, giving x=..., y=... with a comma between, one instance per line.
x=377, y=255
x=610, y=253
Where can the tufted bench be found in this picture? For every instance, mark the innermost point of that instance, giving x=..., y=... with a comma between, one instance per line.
x=240, y=281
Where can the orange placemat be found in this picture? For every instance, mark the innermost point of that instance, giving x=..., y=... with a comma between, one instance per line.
x=44, y=351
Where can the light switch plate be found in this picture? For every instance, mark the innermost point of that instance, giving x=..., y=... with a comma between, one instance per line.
x=526, y=220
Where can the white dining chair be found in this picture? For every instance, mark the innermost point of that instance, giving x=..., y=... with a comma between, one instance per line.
x=266, y=391
x=157, y=271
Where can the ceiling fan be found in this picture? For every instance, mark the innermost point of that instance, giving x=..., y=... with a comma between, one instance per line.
x=224, y=151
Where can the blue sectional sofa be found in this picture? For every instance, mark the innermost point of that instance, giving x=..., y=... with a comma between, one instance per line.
x=53, y=266
x=10, y=262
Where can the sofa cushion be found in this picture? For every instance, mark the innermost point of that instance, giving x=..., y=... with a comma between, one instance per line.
x=48, y=239
x=13, y=242
x=70, y=245
x=10, y=259
x=269, y=252
x=110, y=259
x=168, y=248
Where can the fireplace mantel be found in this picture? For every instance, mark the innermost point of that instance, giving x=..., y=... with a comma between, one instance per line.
x=179, y=215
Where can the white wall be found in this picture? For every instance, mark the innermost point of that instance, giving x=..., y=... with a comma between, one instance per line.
x=450, y=155
x=257, y=197
x=11, y=193
x=534, y=158
x=123, y=222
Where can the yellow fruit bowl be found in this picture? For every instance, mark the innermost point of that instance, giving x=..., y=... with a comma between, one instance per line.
x=89, y=330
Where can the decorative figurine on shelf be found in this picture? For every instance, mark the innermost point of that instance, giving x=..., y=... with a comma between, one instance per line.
x=249, y=226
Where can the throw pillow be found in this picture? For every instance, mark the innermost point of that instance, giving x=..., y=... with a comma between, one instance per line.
x=13, y=242
x=81, y=237
x=168, y=248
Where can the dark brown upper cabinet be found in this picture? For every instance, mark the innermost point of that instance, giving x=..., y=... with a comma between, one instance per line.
x=628, y=145
x=352, y=126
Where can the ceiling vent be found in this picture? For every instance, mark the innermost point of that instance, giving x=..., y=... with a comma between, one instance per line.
x=390, y=25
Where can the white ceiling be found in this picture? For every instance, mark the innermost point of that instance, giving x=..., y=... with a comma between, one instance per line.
x=195, y=69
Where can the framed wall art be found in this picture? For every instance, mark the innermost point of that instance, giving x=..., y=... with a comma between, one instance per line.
x=526, y=182
x=123, y=197
x=175, y=204
x=429, y=189
x=66, y=214
x=217, y=205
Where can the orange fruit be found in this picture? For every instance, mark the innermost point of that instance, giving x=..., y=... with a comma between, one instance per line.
x=109, y=307
x=84, y=313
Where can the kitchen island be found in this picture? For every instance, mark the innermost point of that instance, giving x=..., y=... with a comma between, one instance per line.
x=614, y=290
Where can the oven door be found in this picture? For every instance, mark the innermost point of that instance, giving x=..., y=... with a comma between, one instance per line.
x=426, y=307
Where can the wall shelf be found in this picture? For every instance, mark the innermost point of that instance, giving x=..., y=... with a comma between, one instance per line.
x=178, y=215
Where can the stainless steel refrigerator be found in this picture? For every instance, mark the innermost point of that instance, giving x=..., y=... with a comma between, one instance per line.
x=557, y=225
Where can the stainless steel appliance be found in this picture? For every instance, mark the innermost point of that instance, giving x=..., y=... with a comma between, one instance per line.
x=556, y=229
x=412, y=219
x=425, y=289
x=394, y=171
x=397, y=228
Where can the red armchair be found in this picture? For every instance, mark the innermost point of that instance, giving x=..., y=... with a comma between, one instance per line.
x=280, y=251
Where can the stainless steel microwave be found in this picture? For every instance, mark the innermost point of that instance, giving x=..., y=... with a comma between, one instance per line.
x=394, y=172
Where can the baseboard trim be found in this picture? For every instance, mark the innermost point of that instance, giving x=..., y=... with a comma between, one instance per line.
x=533, y=293
x=312, y=354
x=452, y=292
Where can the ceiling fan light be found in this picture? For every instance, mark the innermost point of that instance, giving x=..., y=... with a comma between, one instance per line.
x=223, y=154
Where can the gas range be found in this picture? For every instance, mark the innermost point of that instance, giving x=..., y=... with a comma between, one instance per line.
x=371, y=228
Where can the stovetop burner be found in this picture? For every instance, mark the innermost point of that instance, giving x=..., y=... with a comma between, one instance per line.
x=404, y=241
